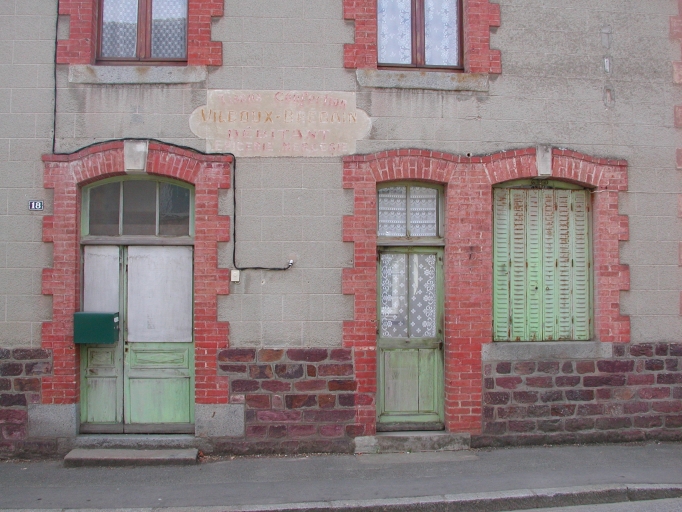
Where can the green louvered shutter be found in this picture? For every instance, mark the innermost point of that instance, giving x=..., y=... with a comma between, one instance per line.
x=501, y=270
x=541, y=278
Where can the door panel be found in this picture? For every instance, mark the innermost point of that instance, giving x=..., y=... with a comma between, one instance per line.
x=101, y=379
x=401, y=381
x=144, y=383
x=410, y=340
x=159, y=294
x=159, y=383
x=101, y=278
x=102, y=366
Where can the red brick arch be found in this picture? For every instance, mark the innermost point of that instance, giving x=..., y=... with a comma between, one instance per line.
x=468, y=183
x=67, y=174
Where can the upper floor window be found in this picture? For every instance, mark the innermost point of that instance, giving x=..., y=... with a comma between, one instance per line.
x=143, y=30
x=419, y=33
x=137, y=207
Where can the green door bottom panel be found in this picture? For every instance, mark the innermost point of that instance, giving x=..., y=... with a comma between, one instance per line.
x=412, y=389
x=159, y=383
x=150, y=388
x=101, y=384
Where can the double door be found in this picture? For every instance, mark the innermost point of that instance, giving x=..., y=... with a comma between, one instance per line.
x=145, y=382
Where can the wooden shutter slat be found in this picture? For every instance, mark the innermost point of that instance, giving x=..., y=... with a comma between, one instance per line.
x=549, y=266
x=518, y=265
x=501, y=271
x=581, y=266
x=533, y=266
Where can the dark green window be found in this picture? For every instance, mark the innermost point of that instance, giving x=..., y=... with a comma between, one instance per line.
x=542, y=284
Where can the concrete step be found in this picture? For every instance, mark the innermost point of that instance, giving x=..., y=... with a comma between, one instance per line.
x=137, y=441
x=80, y=457
x=401, y=442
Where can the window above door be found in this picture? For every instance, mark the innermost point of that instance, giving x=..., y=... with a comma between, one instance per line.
x=137, y=208
x=409, y=213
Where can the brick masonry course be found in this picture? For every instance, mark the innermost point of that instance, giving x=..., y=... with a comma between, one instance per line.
x=635, y=395
x=20, y=372
x=296, y=400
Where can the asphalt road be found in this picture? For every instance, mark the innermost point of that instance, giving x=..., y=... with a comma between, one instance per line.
x=261, y=481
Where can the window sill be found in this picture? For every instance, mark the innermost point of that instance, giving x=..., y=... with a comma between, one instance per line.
x=434, y=80
x=106, y=75
x=545, y=350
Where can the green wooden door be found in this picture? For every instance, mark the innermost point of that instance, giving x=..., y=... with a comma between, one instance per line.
x=409, y=342
x=144, y=383
x=542, y=267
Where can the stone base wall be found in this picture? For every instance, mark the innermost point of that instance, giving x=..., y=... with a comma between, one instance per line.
x=20, y=374
x=296, y=400
x=632, y=394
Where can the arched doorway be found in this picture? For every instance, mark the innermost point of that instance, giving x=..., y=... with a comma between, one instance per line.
x=137, y=236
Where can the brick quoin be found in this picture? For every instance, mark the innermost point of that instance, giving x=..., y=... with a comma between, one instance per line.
x=66, y=174
x=83, y=15
x=478, y=17
x=468, y=186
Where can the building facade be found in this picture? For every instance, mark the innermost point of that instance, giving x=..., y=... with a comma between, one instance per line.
x=278, y=226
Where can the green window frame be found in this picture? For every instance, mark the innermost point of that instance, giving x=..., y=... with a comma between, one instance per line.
x=542, y=262
x=137, y=209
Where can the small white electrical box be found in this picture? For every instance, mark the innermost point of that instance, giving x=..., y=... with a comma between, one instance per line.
x=234, y=276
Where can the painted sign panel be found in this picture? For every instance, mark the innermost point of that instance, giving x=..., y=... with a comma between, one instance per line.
x=280, y=123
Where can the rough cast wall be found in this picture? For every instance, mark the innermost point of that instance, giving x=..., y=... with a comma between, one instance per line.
x=27, y=31
x=553, y=90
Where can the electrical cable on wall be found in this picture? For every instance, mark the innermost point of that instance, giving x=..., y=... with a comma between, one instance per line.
x=234, y=161
x=234, y=227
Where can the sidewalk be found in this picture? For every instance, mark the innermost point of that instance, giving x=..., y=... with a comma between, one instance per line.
x=500, y=479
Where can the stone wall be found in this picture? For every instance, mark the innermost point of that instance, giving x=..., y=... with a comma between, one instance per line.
x=20, y=373
x=297, y=400
x=632, y=394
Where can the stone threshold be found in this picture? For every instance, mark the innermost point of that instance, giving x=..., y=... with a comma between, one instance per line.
x=140, y=442
x=82, y=457
x=414, y=441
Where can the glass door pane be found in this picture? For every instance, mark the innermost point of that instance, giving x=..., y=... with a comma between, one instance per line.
x=159, y=294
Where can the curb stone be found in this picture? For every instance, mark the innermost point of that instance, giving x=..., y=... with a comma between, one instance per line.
x=497, y=501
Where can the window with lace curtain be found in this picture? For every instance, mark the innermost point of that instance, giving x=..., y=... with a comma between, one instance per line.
x=142, y=30
x=419, y=33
